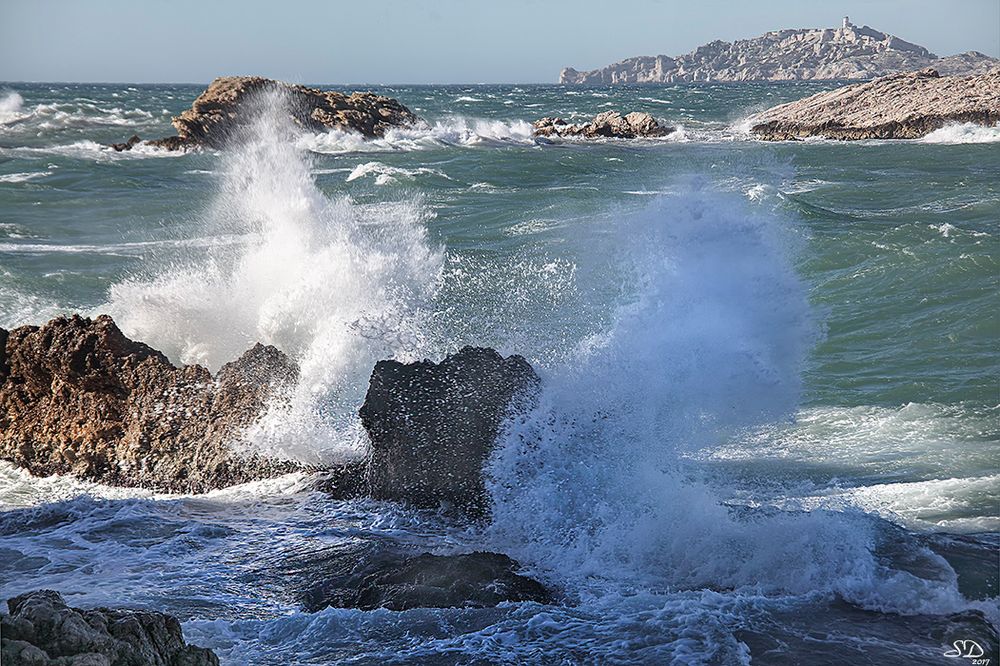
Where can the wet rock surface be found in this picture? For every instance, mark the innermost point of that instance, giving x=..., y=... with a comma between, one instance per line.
x=432, y=426
x=610, y=124
x=78, y=397
x=41, y=630
x=901, y=106
x=232, y=103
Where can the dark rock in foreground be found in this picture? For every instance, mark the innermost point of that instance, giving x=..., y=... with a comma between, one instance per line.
x=231, y=103
x=42, y=630
x=373, y=575
x=901, y=106
x=78, y=397
x=610, y=124
x=433, y=425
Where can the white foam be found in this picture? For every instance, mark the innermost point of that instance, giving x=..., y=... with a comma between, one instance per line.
x=587, y=487
x=10, y=107
x=964, y=133
x=335, y=285
x=385, y=174
x=22, y=177
x=456, y=131
x=87, y=149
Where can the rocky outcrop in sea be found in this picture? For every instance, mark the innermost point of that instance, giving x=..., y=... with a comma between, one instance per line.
x=900, y=106
x=432, y=427
x=78, y=397
x=42, y=630
x=231, y=103
x=610, y=124
x=848, y=52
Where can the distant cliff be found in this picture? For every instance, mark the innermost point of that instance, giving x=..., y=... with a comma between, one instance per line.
x=848, y=52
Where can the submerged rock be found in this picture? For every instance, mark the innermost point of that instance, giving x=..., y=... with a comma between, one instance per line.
x=370, y=575
x=78, y=397
x=42, y=630
x=432, y=426
x=610, y=124
x=901, y=106
x=127, y=145
x=231, y=103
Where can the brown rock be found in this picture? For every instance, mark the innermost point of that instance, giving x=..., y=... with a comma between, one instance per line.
x=78, y=397
x=901, y=106
x=231, y=103
x=610, y=124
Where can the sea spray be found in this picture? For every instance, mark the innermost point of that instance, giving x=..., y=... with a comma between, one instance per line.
x=590, y=489
x=335, y=285
x=10, y=106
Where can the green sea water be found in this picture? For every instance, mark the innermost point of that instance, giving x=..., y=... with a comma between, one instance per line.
x=849, y=291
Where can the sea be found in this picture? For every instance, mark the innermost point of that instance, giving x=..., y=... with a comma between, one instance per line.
x=768, y=428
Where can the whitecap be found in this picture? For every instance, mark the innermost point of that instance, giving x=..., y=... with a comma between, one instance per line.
x=454, y=131
x=963, y=133
x=386, y=174
x=22, y=177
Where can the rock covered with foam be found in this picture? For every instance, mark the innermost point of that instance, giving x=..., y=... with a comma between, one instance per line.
x=610, y=124
x=900, y=106
x=42, y=630
x=78, y=397
x=229, y=105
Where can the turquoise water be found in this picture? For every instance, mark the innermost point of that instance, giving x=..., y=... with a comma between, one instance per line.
x=803, y=328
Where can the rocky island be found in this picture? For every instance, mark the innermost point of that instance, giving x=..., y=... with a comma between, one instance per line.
x=231, y=103
x=900, y=106
x=847, y=52
x=610, y=125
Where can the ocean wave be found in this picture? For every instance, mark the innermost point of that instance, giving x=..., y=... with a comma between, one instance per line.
x=457, y=131
x=87, y=149
x=587, y=487
x=385, y=174
x=11, y=104
x=22, y=177
x=869, y=442
x=963, y=133
x=334, y=284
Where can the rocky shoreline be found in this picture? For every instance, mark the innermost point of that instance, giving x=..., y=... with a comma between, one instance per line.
x=78, y=397
x=42, y=630
x=846, y=52
x=900, y=106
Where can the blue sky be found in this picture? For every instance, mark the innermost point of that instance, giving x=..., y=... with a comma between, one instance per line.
x=405, y=41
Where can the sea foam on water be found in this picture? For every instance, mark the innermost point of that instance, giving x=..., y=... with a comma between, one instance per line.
x=590, y=488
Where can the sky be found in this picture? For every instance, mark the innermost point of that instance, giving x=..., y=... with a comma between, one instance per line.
x=441, y=41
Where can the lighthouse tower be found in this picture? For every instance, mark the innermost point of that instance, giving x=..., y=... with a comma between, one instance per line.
x=847, y=22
